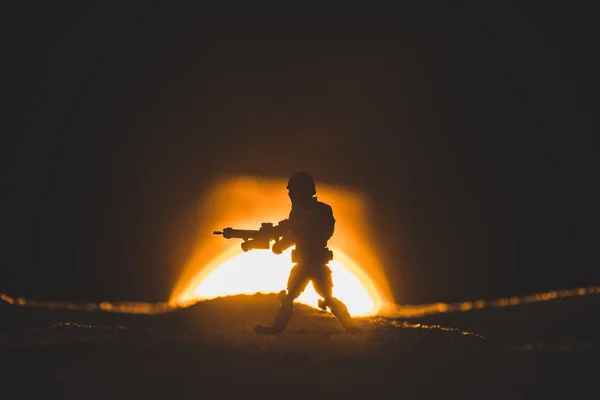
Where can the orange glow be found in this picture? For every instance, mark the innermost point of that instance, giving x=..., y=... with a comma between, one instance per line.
x=263, y=271
x=218, y=266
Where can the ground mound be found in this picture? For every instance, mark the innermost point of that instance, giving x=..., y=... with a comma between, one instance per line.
x=210, y=350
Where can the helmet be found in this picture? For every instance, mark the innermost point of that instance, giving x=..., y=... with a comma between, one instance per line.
x=302, y=183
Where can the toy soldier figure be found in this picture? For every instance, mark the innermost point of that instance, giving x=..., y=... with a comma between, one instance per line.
x=309, y=226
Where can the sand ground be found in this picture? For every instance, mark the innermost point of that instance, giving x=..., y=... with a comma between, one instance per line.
x=209, y=351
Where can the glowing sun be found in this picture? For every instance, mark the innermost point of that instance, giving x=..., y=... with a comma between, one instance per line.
x=260, y=271
x=218, y=267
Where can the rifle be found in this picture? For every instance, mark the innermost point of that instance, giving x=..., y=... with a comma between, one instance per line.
x=255, y=239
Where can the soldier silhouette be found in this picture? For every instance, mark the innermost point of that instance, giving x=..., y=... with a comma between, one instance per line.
x=309, y=226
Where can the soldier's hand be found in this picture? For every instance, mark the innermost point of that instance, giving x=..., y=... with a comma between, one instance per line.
x=284, y=225
x=276, y=248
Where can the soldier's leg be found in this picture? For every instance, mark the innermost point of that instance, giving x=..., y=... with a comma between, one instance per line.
x=323, y=285
x=297, y=282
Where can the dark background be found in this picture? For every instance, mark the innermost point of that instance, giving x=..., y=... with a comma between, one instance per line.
x=466, y=129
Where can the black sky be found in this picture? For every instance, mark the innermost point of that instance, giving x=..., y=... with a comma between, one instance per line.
x=465, y=131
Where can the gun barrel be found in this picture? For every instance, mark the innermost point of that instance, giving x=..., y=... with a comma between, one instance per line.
x=230, y=233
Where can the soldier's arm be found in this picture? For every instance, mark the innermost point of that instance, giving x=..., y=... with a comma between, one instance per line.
x=287, y=240
x=284, y=244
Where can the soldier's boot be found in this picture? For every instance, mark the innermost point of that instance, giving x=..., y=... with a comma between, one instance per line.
x=340, y=311
x=322, y=304
x=283, y=317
